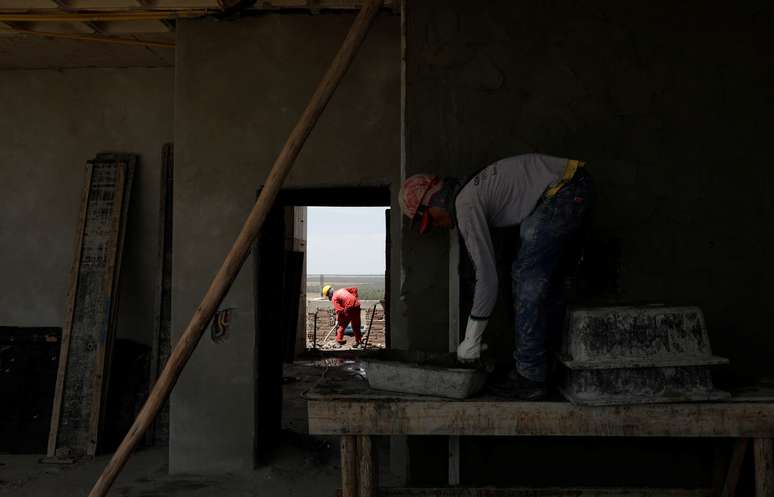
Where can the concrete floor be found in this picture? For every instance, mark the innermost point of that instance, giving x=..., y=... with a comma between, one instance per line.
x=296, y=472
x=303, y=466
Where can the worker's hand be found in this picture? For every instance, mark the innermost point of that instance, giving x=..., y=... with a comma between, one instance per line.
x=470, y=348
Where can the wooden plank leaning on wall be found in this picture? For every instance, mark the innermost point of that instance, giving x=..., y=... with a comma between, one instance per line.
x=91, y=313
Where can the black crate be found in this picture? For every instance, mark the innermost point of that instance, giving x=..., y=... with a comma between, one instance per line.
x=29, y=358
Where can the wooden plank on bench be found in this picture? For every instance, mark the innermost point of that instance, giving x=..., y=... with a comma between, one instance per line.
x=498, y=418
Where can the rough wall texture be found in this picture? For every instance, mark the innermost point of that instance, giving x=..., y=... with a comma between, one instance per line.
x=672, y=107
x=240, y=88
x=51, y=123
x=37, y=52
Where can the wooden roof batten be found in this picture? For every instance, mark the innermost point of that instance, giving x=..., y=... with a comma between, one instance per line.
x=117, y=21
x=148, y=7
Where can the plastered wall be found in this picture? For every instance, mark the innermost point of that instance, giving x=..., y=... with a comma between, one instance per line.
x=240, y=87
x=51, y=123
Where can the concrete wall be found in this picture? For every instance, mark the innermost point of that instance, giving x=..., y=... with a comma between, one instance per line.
x=240, y=88
x=51, y=123
x=673, y=115
x=672, y=107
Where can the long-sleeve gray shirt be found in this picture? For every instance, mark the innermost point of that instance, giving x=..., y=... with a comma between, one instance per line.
x=502, y=194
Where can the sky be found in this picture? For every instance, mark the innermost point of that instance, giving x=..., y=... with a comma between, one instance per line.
x=345, y=240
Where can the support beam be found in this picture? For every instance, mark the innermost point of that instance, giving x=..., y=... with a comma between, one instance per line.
x=112, y=40
x=763, y=449
x=367, y=467
x=80, y=17
x=207, y=6
x=349, y=466
x=317, y=5
x=735, y=467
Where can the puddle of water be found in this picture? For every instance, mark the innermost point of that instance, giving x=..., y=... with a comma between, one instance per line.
x=349, y=366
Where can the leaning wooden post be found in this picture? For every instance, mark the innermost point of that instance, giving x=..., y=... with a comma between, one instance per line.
x=239, y=252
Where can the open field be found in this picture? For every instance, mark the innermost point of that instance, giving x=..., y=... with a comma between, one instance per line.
x=370, y=286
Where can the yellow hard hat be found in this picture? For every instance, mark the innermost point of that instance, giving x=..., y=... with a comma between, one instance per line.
x=326, y=289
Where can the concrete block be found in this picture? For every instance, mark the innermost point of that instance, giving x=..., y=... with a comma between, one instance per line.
x=609, y=337
x=457, y=383
x=635, y=355
x=600, y=387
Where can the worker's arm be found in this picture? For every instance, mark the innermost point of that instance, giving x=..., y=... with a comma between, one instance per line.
x=474, y=230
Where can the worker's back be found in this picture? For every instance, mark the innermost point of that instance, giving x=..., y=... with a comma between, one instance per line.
x=506, y=192
x=345, y=298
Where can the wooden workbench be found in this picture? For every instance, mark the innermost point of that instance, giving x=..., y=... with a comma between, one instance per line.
x=346, y=407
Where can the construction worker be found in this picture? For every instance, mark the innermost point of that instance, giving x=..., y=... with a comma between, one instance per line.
x=548, y=197
x=347, y=307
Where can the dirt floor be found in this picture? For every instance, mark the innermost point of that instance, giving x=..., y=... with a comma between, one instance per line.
x=303, y=466
x=320, y=327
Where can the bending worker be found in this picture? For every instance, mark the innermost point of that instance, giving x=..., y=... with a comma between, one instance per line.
x=549, y=198
x=347, y=307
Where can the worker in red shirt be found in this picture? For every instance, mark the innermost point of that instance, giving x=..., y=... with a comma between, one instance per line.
x=347, y=308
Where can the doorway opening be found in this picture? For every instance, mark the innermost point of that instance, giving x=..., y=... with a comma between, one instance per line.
x=282, y=259
x=346, y=252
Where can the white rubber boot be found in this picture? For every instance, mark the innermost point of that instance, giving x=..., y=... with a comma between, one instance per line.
x=470, y=348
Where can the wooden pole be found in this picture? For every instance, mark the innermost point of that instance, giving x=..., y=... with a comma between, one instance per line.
x=367, y=467
x=370, y=324
x=763, y=448
x=314, y=335
x=239, y=252
x=328, y=335
x=349, y=466
x=735, y=467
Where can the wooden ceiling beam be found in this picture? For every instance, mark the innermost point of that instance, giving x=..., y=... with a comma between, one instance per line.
x=105, y=17
x=60, y=16
x=52, y=27
x=113, y=40
x=148, y=6
x=126, y=27
x=316, y=4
